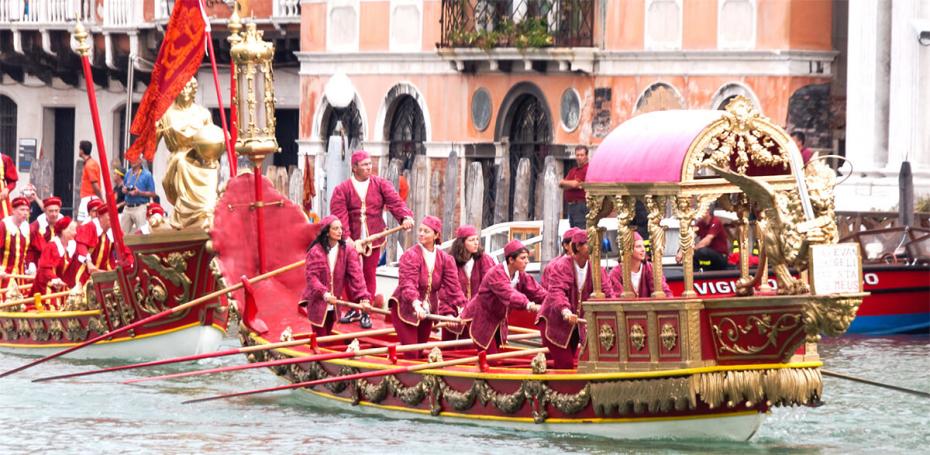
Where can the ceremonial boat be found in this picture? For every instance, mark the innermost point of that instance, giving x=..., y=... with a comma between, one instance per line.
x=660, y=367
x=169, y=268
x=162, y=299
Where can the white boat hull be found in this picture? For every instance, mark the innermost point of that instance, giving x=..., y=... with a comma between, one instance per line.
x=191, y=340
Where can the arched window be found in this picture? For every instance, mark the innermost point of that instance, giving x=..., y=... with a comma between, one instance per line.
x=530, y=133
x=8, y=127
x=407, y=133
x=659, y=97
x=728, y=91
x=351, y=121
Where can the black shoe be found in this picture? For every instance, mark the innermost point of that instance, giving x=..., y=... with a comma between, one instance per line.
x=365, y=321
x=351, y=316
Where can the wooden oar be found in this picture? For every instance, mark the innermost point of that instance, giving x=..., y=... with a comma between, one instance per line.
x=32, y=299
x=876, y=384
x=155, y=317
x=363, y=246
x=372, y=374
x=319, y=358
x=210, y=355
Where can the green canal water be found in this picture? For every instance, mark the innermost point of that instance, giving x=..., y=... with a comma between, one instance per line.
x=99, y=415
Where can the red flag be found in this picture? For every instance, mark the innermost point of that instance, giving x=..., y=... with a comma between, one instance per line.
x=178, y=60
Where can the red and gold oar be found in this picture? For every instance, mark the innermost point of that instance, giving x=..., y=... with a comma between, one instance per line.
x=210, y=355
x=373, y=374
x=155, y=317
x=390, y=350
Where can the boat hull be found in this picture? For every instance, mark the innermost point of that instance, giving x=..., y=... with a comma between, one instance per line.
x=182, y=341
x=899, y=300
x=737, y=426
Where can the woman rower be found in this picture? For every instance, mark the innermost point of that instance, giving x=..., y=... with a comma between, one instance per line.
x=570, y=284
x=333, y=271
x=55, y=258
x=427, y=283
x=473, y=264
x=643, y=283
x=507, y=286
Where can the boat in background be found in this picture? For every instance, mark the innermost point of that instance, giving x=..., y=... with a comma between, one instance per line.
x=169, y=269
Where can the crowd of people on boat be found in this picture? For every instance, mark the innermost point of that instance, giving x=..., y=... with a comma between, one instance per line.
x=466, y=285
x=44, y=251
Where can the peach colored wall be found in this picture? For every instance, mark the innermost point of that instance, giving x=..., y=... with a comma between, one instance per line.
x=432, y=30
x=812, y=24
x=313, y=27
x=625, y=24
x=772, y=24
x=700, y=24
x=374, y=26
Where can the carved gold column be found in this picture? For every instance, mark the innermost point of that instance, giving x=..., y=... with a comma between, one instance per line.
x=656, y=206
x=761, y=226
x=625, y=211
x=742, y=222
x=685, y=215
x=594, y=202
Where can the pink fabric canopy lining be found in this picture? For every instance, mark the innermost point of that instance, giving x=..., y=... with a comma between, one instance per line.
x=649, y=148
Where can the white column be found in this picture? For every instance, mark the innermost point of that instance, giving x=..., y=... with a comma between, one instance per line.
x=867, y=84
x=904, y=116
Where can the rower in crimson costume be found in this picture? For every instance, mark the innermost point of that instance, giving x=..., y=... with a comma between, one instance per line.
x=642, y=276
x=570, y=283
x=55, y=258
x=14, y=240
x=427, y=283
x=359, y=203
x=566, y=251
x=333, y=272
x=507, y=286
x=473, y=264
x=42, y=230
x=10, y=176
x=94, y=244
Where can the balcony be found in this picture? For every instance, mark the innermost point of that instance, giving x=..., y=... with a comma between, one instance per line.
x=43, y=13
x=540, y=35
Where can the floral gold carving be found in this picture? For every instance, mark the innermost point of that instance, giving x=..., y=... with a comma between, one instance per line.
x=669, y=336
x=55, y=330
x=728, y=332
x=638, y=337
x=829, y=315
x=75, y=331
x=8, y=329
x=606, y=336
x=154, y=295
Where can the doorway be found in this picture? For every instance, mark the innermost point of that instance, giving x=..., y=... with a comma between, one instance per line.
x=63, y=174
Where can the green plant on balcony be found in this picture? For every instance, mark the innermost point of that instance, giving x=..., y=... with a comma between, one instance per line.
x=532, y=32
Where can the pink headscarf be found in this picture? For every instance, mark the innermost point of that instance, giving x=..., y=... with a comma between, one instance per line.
x=465, y=231
x=433, y=223
x=580, y=237
x=328, y=220
x=512, y=247
x=358, y=156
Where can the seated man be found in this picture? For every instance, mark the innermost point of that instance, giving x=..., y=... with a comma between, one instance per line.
x=712, y=246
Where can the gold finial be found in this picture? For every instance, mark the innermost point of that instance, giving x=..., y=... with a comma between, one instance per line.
x=234, y=25
x=80, y=37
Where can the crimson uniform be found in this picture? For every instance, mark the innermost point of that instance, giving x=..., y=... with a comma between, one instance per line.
x=338, y=272
x=644, y=287
x=40, y=233
x=497, y=295
x=438, y=288
x=15, y=244
x=93, y=245
x=10, y=176
x=53, y=263
x=359, y=206
x=565, y=294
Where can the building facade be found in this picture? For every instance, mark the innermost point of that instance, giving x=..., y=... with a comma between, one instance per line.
x=499, y=82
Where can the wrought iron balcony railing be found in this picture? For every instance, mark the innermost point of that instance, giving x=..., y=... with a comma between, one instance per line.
x=488, y=24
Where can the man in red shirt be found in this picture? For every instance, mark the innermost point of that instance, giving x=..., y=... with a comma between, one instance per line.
x=710, y=252
x=800, y=140
x=90, y=180
x=574, y=196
